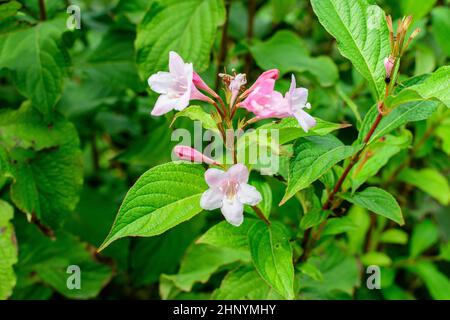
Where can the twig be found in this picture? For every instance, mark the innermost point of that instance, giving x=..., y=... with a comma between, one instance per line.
x=261, y=215
x=223, y=44
x=250, y=28
x=42, y=12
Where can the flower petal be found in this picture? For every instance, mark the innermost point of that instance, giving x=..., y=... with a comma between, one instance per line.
x=238, y=172
x=248, y=194
x=211, y=199
x=214, y=177
x=176, y=64
x=163, y=105
x=305, y=120
x=160, y=82
x=233, y=211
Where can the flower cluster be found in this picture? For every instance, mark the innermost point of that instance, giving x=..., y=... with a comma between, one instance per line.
x=228, y=190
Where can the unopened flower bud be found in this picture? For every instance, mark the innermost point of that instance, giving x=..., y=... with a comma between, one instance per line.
x=193, y=155
x=389, y=66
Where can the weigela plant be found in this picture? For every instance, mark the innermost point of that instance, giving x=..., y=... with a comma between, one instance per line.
x=229, y=190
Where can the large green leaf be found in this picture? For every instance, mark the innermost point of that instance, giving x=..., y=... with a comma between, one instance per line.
x=378, y=201
x=430, y=181
x=8, y=251
x=187, y=27
x=272, y=256
x=436, y=87
x=244, y=283
x=362, y=36
x=163, y=197
x=45, y=163
x=314, y=156
x=286, y=51
x=38, y=69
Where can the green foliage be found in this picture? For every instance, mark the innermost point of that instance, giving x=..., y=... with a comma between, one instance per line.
x=193, y=26
x=362, y=36
x=8, y=250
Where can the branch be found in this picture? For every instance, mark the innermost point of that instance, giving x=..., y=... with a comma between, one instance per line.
x=261, y=215
x=42, y=12
x=223, y=44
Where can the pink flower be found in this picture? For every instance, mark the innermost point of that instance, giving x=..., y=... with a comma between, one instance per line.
x=265, y=102
x=229, y=191
x=389, y=65
x=176, y=87
x=193, y=155
x=268, y=75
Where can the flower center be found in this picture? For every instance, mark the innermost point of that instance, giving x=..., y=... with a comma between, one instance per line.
x=230, y=188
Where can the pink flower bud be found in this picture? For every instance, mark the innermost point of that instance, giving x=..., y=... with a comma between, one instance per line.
x=389, y=65
x=193, y=155
x=200, y=84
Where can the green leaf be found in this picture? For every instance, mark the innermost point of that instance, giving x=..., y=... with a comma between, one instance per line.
x=38, y=69
x=161, y=198
x=45, y=163
x=430, y=181
x=272, y=256
x=187, y=27
x=376, y=156
x=425, y=234
x=437, y=283
x=314, y=156
x=244, y=283
x=436, y=88
x=416, y=9
x=197, y=113
x=289, y=129
x=286, y=51
x=8, y=250
x=396, y=236
x=378, y=201
x=9, y=9
x=311, y=270
x=362, y=36
x=338, y=225
x=376, y=258
x=408, y=112
x=226, y=235
x=441, y=27
x=200, y=262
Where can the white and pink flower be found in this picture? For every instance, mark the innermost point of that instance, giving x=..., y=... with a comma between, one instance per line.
x=175, y=87
x=229, y=191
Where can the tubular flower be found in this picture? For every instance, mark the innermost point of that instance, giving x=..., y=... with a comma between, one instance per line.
x=265, y=102
x=176, y=86
x=229, y=191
